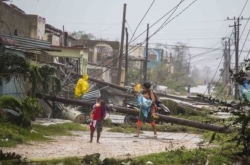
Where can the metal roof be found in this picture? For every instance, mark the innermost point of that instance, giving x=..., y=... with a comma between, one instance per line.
x=26, y=43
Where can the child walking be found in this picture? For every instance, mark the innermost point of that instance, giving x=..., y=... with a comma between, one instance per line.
x=98, y=113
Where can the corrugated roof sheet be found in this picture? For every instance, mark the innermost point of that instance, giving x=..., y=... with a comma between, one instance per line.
x=27, y=43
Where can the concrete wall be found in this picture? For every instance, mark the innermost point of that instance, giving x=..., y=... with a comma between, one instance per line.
x=40, y=27
x=139, y=52
x=100, y=73
x=55, y=40
x=26, y=25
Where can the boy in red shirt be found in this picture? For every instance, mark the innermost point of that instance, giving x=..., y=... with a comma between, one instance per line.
x=98, y=114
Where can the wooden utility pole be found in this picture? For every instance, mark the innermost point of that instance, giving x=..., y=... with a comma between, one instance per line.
x=121, y=46
x=126, y=59
x=237, y=38
x=146, y=57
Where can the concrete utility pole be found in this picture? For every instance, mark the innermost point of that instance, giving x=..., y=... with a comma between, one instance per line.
x=126, y=59
x=229, y=66
x=237, y=37
x=121, y=46
x=225, y=64
x=146, y=58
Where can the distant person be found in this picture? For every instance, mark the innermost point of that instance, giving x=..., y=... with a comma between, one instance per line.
x=146, y=100
x=209, y=89
x=137, y=87
x=97, y=114
x=188, y=91
x=82, y=86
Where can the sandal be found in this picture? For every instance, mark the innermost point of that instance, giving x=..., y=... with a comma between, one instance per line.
x=155, y=135
x=136, y=135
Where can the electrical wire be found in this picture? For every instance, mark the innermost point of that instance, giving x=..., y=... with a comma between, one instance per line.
x=227, y=63
x=244, y=43
x=243, y=8
x=167, y=19
x=114, y=62
x=248, y=52
x=174, y=17
x=108, y=27
x=124, y=48
x=157, y=21
x=169, y=16
x=142, y=20
x=235, y=49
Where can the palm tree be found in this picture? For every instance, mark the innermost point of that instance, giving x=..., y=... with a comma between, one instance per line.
x=24, y=109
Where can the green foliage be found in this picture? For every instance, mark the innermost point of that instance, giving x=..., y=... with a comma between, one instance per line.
x=27, y=108
x=124, y=128
x=240, y=143
x=92, y=159
x=3, y=116
x=10, y=102
x=180, y=156
x=130, y=128
x=133, y=75
x=176, y=109
x=220, y=91
x=82, y=35
x=178, y=81
x=37, y=75
x=45, y=76
x=180, y=53
x=30, y=108
x=48, y=74
x=58, y=161
x=107, y=123
x=34, y=78
x=184, y=156
x=59, y=129
x=10, y=158
x=12, y=64
x=218, y=138
x=243, y=136
x=13, y=134
x=158, y=74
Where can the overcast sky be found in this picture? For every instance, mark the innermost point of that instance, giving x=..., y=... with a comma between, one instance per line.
x=203, y=24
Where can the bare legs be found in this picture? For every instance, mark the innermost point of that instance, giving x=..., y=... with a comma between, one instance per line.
x=91, y=135
x=138, y=130
x=139, y=125
x=98, y=136
x=154, y=129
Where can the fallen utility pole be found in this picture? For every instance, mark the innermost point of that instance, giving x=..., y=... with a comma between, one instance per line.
x=181, y=104
x=174, y=120
x=63, y=100
x=121, y=109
